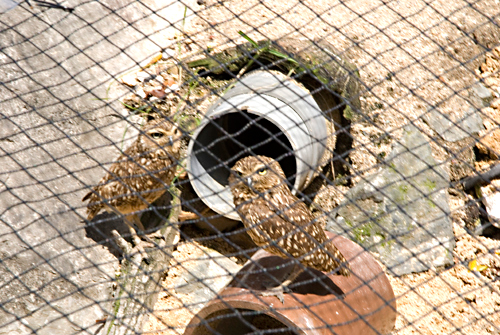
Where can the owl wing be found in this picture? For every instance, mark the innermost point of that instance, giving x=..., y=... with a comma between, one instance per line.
x=118, y=186
x=298, y=215
x=311, y=235
x=132, y=173
x=307, y=240
x=284, y=231
x=112, y=188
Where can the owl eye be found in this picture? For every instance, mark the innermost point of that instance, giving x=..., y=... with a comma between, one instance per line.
x=156, y=135
x=262, y=171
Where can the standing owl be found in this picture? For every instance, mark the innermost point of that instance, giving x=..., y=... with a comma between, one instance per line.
x=278, y=221
x=139, y=176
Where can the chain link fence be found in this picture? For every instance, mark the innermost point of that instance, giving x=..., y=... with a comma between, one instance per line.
x=384, y=117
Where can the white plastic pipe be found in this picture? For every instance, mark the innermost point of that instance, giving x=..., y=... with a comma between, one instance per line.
x=264, y=113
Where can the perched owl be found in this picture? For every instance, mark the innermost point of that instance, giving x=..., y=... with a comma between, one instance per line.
x=278, y=221
x=139, y=176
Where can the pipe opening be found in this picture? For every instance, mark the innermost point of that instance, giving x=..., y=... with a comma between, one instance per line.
x=227, y=322
x=213, y=145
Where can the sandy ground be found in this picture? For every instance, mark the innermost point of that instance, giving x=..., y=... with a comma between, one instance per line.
x=411, y=55
x=455, y=300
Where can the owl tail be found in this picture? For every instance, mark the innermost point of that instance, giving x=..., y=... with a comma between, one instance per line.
x=343, y=266
x=92, y=208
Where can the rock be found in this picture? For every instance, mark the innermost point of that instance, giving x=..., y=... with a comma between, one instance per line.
x=130, y=79
x=141, y=93
x=58, y=126
x=480, y=95
x=489, y=139
x=143, y=76
x=460, y=155
x=401, y=213
x=6, y=5
x=452, y=131
x=458, y=137
x=201, y=276
x=169, y=53
x=490, y=196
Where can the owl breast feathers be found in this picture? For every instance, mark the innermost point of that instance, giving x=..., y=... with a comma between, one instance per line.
x=277, y=220
x=141, y=174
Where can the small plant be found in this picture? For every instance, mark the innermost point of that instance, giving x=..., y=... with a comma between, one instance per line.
x=267, y=48
x=179, y=46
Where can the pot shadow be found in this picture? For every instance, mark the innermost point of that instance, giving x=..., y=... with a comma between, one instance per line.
x=265, y=270
x=101, y=226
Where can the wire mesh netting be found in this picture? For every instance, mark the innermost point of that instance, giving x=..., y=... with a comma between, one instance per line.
x=258, y=167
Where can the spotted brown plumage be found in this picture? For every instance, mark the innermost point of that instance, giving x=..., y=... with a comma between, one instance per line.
x=278, y=221
x=139, y=176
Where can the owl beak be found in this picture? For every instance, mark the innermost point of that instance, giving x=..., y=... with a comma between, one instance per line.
x=249, y=181
x=171, y=140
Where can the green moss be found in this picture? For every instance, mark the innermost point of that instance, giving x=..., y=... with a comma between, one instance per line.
x=348, y=114
x=431, y=203
x=387, y=244
x=401, y=193
x=340, y=180
x=384, y=243
x=430, y=184
x=362, y=232
x=404, y=188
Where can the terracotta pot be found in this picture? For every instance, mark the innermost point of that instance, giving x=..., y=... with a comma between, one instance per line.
x=362, y=303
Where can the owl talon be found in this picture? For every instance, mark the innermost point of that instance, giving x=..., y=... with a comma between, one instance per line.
x=277, y=292
x=185, y=216
x=139, y=246
x=156, y=234
x=140, y=250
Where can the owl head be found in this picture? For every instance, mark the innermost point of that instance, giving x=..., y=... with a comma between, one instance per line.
x=160, y=134
x=256, y=174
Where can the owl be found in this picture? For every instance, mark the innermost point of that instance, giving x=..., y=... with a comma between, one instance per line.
x=278, y=221
x=139, y=176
